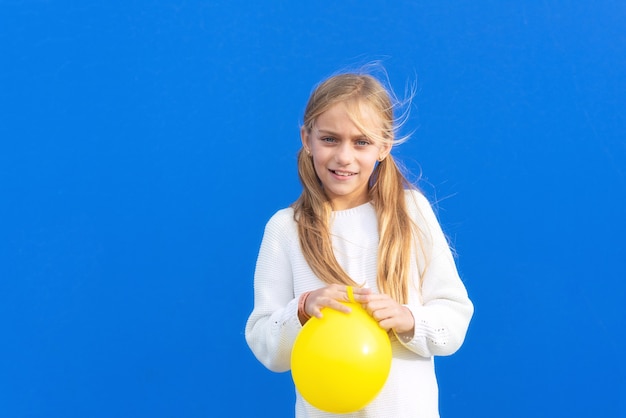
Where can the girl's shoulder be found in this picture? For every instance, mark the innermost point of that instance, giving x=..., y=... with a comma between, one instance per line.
x=415, y=199
x=419, y=207
x=282, y=220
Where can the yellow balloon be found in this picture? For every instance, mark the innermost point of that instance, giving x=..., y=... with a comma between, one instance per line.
x=340, y=362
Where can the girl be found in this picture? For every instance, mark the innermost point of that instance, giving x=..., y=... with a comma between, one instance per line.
x=359, y=223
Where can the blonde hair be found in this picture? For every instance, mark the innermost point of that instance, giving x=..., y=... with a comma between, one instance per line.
x=396, y=229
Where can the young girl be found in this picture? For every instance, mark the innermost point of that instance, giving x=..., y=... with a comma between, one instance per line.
x=359, y=223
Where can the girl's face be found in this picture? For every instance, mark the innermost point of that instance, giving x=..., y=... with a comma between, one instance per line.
x=343, y=157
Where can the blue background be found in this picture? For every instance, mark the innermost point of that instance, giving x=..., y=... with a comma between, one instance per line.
x=144, y=144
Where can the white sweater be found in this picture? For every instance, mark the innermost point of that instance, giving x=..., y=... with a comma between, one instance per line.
x=442, y=309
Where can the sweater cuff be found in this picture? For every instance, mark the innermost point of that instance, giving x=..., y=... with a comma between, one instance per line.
x=291, y=323
x=407, y=337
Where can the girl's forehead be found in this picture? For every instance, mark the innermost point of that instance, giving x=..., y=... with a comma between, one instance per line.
x=359, y=112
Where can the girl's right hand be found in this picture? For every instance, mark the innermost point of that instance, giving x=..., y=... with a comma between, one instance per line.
x=331, y=296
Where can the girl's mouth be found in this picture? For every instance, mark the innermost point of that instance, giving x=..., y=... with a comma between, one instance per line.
x=342, y=173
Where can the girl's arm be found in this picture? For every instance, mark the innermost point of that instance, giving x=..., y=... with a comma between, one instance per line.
x=443, y=312
x=273, y=325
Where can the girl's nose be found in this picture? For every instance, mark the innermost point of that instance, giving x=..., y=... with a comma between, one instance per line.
x=345, y=154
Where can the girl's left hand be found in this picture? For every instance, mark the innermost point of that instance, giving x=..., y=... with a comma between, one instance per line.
x=390, y=314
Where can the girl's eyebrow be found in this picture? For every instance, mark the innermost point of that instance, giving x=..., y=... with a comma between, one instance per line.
x=324, y=131
x=327, y=132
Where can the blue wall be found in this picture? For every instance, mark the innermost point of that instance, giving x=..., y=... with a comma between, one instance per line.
x=144, y=144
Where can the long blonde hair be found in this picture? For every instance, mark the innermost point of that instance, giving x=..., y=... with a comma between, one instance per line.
x=397, y=231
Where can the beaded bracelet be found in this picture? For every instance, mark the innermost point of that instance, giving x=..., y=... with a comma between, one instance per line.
x=301, y=312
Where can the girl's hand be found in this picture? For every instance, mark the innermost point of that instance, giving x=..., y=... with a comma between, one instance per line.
x=390, y=314
x=331, y=297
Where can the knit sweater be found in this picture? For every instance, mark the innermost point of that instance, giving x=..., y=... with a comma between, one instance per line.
x=441, y=307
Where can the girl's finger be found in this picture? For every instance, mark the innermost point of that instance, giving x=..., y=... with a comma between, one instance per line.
x=357, y=294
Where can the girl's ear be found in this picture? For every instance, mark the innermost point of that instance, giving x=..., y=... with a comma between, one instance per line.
x=384, y=152
x=304, y=136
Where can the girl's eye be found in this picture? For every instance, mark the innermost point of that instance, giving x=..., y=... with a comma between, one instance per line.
x=362, y=142
x=328, y=139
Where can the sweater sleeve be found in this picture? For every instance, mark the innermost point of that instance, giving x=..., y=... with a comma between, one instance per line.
x=443, y=312
x=273, y=325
